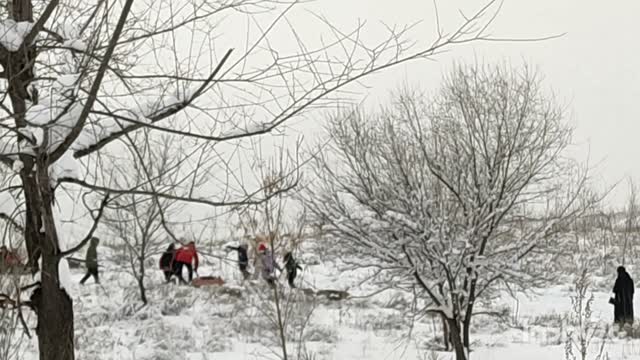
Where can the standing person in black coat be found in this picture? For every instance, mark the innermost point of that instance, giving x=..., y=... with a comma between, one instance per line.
x=166, y=262
x=623, y=300
x=292, y=268
x=243, y=259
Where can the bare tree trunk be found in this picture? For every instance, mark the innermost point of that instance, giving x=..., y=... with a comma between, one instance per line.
x=55, y=315
x=20, y=75
x=281, y=324
x=143, y=291
x=456, y=339
x=446, y=339
x=55, y=310
x=466, y=325
x=33, y=221
x=53, y=305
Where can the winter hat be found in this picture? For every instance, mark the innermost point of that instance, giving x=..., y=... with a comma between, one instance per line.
x=262, y=247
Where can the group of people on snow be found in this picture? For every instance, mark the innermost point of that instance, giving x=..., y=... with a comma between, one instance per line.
x=173, y=261
x=173, y=265
x=266, y=264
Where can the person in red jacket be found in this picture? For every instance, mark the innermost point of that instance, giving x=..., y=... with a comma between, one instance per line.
x=185, y=256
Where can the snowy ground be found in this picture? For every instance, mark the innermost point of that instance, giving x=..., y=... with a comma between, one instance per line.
x=190, y=323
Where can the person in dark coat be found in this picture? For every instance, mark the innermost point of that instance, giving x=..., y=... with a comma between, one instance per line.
x=623, y=300
x=243, y=259
x=91, y=261
x=166, y=262
x=292, y=268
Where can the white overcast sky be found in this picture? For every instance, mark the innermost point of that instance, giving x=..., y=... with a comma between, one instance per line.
x=593, y=68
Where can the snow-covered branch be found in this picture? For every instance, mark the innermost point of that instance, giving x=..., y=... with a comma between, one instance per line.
x=251, y=199
x=428, y=188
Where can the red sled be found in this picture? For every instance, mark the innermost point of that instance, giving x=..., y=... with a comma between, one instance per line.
x=207, y=281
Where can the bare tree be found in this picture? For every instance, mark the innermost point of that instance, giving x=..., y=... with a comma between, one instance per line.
x=451, y=193
x=287, y=313
x=586, y=331
x=140, y=221
x=80, y=77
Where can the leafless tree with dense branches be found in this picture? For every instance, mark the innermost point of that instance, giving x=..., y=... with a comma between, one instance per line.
x=139, y=221
x=431, y=190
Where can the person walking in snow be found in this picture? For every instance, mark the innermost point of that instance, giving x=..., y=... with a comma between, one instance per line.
x=243, y=259
x=166, y=262
x=186, y=256
x=623, y=300
x=291, y=265
x=91, y=261
x=268, y=263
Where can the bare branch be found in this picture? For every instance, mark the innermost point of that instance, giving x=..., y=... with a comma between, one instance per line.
x=136, y=191
x=39, y=25
x=156, y=117
x=95, y=87
x=88, y=237
x=12, y=221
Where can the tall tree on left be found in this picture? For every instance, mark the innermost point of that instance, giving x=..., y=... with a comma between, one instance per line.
x=32, y=155
x=79, y=77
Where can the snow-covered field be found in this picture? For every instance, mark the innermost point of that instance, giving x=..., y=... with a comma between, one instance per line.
x=184, y=322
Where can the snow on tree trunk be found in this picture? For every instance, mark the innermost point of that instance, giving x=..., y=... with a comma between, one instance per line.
x=55, y=311
x=55, y=315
